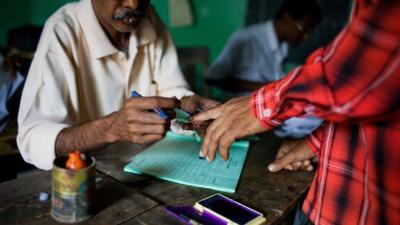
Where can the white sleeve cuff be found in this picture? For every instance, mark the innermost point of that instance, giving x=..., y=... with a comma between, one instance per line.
x=178, y=92
x=37, y=145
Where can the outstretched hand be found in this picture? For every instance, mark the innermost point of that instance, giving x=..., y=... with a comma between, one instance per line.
x=232, y=120
x=193, y=102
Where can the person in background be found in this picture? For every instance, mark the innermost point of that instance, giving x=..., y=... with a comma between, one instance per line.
x=10, y=82
x=253, y=56
x=353, y=84
x=91, y=56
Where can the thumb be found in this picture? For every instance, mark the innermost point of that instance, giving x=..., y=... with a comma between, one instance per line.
x=207, y=115
x=281, y=162
x=189, y=103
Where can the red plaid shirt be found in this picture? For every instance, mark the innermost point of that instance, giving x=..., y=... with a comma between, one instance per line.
x=354, y=84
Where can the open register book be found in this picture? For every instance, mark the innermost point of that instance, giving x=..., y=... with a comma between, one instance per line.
x=176, y=159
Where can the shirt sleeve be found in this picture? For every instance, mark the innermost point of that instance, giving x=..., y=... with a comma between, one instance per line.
x=353, y=80
x=43, y=111
x=315, y=139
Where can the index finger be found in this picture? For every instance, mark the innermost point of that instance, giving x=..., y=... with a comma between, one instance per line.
x=282, y=162
x=207, y=115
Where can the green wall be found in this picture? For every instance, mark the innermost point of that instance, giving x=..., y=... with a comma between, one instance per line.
x=13, y=14
x=44, y=8
x=17, y=13
x=214, y=20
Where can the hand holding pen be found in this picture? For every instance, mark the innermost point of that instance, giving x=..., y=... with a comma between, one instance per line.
x=141, y=120
x=157, y=110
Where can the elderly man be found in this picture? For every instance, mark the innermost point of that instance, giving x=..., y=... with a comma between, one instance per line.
x=91, y=55
x=353, y=84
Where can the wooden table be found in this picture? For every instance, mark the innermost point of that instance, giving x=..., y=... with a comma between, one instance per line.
x=123, y=198
x=115, y=203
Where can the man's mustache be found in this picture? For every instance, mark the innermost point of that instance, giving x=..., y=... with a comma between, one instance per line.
x=127, y=14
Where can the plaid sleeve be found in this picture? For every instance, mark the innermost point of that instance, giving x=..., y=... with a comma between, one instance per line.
x=314, y=140
x=335, y=83
x=267, y=101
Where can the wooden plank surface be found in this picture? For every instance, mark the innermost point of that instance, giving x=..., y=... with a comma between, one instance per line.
x=274, y=194
x=112, y=159
x=153, y=216
x=114, y=203
x=8, y=145
x=123, y=198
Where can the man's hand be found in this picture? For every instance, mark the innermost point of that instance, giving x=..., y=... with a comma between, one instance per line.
x=199, y=127
x=191, y=103
x=232, y=120
x=136, y=122
x=293, y=155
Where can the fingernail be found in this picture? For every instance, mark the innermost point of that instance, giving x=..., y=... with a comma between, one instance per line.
x=271, y=168
x=208, y=159
x=201, y=155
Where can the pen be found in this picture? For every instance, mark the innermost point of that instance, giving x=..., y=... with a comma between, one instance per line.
x=157, y=110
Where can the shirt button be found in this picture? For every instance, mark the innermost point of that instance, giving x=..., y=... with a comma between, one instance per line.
x=267, y=113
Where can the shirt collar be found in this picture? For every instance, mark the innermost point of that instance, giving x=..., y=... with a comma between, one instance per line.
x=98, y=42
x=273, y=40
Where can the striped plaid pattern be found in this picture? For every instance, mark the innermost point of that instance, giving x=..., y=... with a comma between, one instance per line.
x=354, y=84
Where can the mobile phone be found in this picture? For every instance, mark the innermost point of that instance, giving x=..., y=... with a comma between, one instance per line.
x=229, y=210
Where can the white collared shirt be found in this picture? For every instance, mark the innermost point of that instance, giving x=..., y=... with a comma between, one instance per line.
x=253, y=54
x=77, y=75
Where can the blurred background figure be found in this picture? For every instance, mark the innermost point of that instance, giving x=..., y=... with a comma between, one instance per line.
x=334, y=16
x=254, y=55
x=11, y=82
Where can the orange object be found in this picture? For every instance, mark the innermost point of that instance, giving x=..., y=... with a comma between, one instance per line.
x=75, y=161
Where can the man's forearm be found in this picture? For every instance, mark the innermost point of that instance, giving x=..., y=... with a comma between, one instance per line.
x=86, y=136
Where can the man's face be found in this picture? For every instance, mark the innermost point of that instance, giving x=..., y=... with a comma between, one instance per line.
x=298, y=30
x=121, y=15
